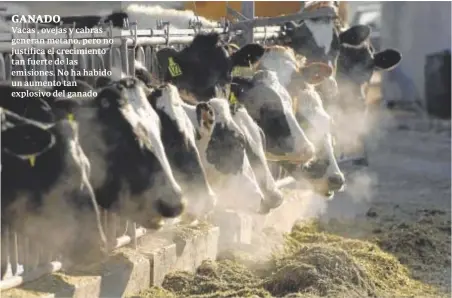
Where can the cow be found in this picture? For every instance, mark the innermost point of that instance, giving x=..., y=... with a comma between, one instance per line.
x=46, y=193
x=356, y=64
x=299, y=79
x=317, y=39
x=270, y=105
x=255, y=150
x=222, y=145
x=119, y=122
x=178, y=137
x=204, y=68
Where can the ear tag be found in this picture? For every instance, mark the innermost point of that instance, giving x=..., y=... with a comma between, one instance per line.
x=174, y=68
x=236, y=71
x=70, y=117
x=32, y=160
x=232, y=98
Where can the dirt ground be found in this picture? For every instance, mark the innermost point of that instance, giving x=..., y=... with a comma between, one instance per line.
x=408, y=183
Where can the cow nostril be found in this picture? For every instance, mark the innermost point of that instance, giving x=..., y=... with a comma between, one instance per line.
x=337, y=180
x=274, y=199
x=169, y=210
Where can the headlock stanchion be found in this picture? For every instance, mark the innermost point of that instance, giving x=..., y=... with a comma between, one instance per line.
x=127, y=46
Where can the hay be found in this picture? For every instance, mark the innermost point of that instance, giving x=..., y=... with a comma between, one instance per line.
x=224, y=278
x=330, y=264
x=384, y=254
x=154, y=292
x=314, y=263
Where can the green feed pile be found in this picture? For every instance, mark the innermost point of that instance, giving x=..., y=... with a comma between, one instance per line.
x=377, y=256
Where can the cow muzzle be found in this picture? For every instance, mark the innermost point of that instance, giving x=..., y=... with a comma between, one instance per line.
x=172, y=206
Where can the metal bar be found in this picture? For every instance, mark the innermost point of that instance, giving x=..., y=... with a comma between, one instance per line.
x=126, y=239
x=235, y=14
x=35, y=274
x=248, y=12
x=321, y=12
x=285, y=182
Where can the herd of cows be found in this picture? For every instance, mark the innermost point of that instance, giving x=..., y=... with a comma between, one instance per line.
x=146, y=151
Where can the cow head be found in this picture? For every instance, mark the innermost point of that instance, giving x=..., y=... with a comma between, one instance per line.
x=255, y=150
x=292, y=71
x=357, y=60
x=225, y=157
x=132, y=152
x=178, y=137
x=316, y=39
x=323, y=173
x=205, y=65
x=270, y=105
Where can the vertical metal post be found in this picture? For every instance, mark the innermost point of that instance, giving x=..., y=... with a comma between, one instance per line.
x=248, y=12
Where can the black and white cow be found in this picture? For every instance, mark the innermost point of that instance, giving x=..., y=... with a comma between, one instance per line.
x=317, y=39
x=356, y=64
x=122, y=138
x=223, y=148
x=270, y=105
x=178, y=137
x=46, y=193
x=204, y=67
x=255, y=150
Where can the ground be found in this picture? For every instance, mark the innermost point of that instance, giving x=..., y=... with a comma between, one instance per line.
x=410, y=175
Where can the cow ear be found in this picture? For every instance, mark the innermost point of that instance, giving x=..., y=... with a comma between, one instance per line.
x=247, y=55
x=355, y=35
x=27, y=140
x=163, y=57
x=387, y=59
x=289, y=27
x=315, y=73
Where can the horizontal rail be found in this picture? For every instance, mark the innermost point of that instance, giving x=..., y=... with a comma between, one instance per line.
x=15, y=281
x=269, y=21
x=121, y=33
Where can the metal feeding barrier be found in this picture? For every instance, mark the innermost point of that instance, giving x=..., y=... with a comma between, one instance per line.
x=122, y=48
